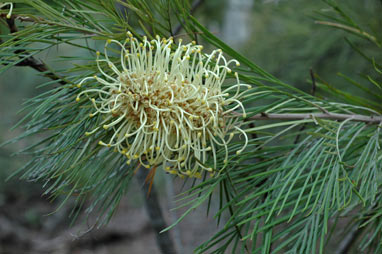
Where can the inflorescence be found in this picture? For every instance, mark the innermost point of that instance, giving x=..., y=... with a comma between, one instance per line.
x=164, y=104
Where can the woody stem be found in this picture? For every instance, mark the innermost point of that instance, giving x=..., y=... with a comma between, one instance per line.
x=164, y=239
x=376, y=119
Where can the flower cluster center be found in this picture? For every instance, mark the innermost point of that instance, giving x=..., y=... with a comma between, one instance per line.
x=167, y=102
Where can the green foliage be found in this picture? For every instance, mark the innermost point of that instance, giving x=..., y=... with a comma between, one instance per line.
x=280, y=195
x=289, y=43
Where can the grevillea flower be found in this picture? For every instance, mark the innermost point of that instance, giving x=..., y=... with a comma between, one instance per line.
x=164, y=104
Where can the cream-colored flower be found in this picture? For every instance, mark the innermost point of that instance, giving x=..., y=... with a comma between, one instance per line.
x=164, y=104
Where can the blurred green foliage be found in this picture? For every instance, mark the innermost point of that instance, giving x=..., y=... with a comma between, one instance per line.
x=287, y=42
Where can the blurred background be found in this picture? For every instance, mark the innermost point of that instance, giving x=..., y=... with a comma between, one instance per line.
x=280, y=36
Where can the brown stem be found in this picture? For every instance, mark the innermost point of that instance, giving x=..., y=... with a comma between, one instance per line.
x=377, y=119
x=164, y=240
x=194, y=7
x=313, y=93
x=350, y=29
x=347, y=243
x=30, y=61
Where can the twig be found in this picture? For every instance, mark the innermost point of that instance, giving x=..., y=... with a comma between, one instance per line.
x=153, y=209
x=331, y=116
x=349, y=240
x=347, y=243
x=350, y=29
x=30, y=61
x=194, y=7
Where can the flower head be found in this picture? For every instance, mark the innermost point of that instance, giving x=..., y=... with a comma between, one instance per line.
x=164, y=104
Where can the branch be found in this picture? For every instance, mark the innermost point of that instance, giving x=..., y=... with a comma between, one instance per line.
x=330, y=116
x=350, y=29
x=194, y=7
x=30, y=61
x=348, y=241
x=153, y=209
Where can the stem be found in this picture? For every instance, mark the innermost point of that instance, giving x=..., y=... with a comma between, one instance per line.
x=349, y=240
x=350, y=29
x=331, y=116
x=194, y=7
x=30, y=61
x=153, y=209
x=347, y=243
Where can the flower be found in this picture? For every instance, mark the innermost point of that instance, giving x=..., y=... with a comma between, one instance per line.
x=164, y=104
